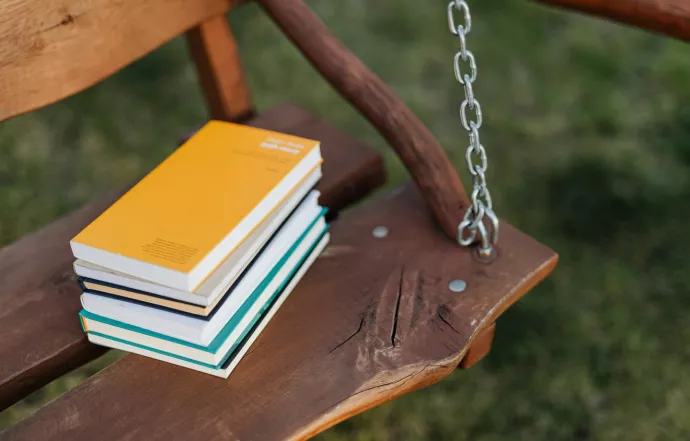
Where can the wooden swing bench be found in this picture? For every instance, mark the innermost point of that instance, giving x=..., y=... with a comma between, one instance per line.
x=373, y=319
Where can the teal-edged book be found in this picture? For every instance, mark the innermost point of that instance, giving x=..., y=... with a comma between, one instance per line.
x=200, y=330
x=221, y=356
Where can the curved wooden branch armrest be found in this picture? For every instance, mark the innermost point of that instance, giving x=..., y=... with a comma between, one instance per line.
x=416, y=146
x=670, y=17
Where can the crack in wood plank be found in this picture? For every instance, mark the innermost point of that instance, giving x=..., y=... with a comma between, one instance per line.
x=439, y=313
x=361, y=325
x=401, y=380
x=68, y=19
x=404, y=380
x=396, y=313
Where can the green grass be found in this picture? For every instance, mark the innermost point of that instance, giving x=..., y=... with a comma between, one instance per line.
x=588, y=132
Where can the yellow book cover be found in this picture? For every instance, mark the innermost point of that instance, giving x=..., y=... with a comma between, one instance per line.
x=186, y=216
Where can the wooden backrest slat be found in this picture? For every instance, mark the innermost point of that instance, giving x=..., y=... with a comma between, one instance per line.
x=50, y=50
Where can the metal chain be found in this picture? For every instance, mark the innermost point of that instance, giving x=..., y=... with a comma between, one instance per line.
x=482, y=205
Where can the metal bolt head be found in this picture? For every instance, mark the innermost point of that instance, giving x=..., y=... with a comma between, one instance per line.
x=457, y=285
x=380, y=232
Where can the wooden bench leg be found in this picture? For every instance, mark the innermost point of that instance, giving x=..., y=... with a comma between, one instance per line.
x=480, y=347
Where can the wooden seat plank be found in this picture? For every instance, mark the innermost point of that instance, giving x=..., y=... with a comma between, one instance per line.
x=40, y=336
x=371, y=320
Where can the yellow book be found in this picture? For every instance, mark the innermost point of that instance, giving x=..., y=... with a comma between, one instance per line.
x=186, y=216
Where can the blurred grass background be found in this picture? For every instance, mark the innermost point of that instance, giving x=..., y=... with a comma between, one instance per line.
x=587, y=126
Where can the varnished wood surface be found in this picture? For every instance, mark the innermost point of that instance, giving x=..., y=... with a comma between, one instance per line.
x=371, y=320
x=40, y=336
x=416, y=146
x=218, y=64
x=670, y=17
x=480, y=347
x=53, y=49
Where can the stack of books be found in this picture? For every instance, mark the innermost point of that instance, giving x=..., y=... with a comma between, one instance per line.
x=190, y=264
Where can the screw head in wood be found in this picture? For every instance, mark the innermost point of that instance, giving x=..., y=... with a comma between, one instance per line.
x=457, y=285
x=380, y=232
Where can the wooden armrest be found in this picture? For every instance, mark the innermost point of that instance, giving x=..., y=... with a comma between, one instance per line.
x=670, y=17
x=416, y=146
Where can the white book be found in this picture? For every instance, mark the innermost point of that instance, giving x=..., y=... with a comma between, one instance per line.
x=222, y=278
x=202, y=331
x=212, y=359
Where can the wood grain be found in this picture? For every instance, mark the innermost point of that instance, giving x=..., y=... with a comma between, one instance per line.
x=53, y=49
x=40, y=336
x=416, y=146
x=218, y=64
x=372, y=319
x=38, y=302
x=670, y=17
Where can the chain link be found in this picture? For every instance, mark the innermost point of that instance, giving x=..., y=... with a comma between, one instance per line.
x=472, y=229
